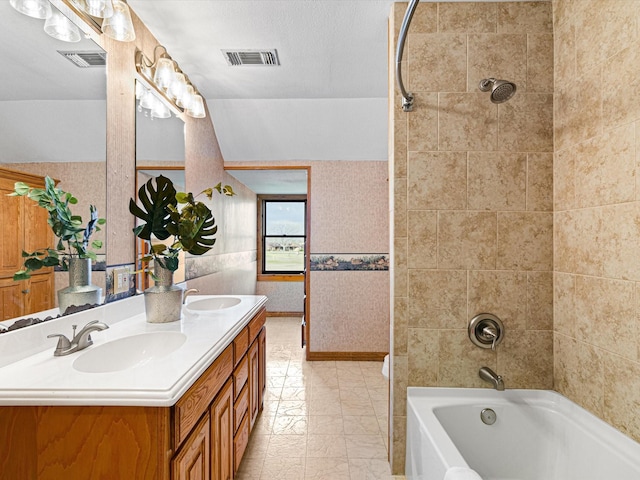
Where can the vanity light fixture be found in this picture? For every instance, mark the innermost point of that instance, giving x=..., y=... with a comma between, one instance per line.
x=171, y=84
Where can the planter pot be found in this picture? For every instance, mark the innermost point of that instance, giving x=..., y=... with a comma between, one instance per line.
x=80, y=291
x=163, y=301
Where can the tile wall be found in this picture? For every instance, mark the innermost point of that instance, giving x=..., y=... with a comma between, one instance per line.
x=597, y=208
x=473, y=199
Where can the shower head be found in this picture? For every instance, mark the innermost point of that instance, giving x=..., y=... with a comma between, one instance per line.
x=501, y=90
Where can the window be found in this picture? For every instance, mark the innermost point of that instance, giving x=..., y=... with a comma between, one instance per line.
x=283, y=234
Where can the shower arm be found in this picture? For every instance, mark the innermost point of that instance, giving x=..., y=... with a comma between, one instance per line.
x=407, y=98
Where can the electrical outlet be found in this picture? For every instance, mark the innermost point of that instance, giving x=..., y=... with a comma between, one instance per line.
x=121, y=280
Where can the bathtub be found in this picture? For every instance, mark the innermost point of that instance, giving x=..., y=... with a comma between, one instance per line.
x=537, y=435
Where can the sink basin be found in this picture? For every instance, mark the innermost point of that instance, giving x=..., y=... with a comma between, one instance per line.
x=128, y=352
x=212, y=304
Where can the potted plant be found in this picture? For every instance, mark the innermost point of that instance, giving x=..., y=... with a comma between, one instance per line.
x=167, y=213
x=73, y=251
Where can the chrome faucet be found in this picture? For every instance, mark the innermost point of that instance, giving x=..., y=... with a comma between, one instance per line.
x=187, y=293
x=80, y=341
x=490, y=376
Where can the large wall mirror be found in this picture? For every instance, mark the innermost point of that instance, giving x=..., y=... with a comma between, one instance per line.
x=160, y=147
x=53, y=113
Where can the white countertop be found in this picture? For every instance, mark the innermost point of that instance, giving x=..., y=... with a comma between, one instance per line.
x=35, y=377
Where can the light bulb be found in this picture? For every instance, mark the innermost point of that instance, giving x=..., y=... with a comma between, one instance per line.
x=61, y=28
x=32, y=8
x=196, y=108
x=165, y=73
x=119, y=25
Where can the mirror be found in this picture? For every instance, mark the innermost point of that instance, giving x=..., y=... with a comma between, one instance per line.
x=159, y=151
x=53, y=114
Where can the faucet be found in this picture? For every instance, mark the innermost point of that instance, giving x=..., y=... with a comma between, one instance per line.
x=490, y=376
x=187, y=293
x=80, y=341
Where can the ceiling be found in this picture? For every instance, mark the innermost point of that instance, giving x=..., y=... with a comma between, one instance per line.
x=326, y=101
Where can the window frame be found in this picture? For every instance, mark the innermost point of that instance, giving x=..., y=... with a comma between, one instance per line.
x=280, y=275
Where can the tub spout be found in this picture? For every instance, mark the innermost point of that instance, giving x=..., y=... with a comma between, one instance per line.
x=492, y=377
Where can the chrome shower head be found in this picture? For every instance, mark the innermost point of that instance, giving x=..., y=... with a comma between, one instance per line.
x=501, y=90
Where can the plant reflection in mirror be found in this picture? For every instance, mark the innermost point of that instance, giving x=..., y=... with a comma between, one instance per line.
x=73, y=238
x=167, y=212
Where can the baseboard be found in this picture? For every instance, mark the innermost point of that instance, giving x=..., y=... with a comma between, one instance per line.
x=345, y=356
x=285, y=314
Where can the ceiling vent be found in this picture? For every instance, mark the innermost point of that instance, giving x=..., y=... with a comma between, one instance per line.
x=236, y=58
x=85, y=59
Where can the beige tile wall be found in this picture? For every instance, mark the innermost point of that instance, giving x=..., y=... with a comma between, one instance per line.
x=597, y=208
x=473, y=199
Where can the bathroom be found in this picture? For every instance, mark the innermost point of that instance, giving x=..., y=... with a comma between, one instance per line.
x=542, y=235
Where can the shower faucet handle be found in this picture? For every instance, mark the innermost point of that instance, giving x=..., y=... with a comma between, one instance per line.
x=486, y=331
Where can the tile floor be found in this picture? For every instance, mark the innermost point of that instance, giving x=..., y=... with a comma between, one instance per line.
x=321, y=420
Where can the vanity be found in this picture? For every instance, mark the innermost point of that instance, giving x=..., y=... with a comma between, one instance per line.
x=146, y=401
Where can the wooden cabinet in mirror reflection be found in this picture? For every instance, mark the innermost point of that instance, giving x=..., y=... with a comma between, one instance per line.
x=23, y=225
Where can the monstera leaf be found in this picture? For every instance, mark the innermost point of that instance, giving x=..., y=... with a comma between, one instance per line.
x=193, y=226
x=156, y=202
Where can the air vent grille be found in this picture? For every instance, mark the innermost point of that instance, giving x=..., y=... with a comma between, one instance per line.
x=85, y=59
x=236, y=58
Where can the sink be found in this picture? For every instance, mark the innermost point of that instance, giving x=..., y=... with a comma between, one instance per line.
x=128, y=352
x=212, y=304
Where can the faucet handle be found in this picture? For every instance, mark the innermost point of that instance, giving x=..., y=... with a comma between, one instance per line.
x=63, y=343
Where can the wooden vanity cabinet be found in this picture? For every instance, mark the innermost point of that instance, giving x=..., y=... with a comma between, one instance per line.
x=23, y=226
x=203, y=436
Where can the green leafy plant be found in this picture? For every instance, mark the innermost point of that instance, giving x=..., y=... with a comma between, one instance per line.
x=73, y=238
x=167, y=212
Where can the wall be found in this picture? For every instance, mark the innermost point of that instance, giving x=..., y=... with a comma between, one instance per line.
x=597, y=208
x=472, y=199
x=284, y=297
x=230, y=267
x=349, y=309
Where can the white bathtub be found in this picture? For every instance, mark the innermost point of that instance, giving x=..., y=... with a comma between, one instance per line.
x=538, y=435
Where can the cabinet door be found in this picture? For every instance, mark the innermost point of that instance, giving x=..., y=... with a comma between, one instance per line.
x=254, y=382
x=192, y=462
x=40, y=293
x=222, y=428
x=12, y=298
x=11, y=230
x=262, y=369
x=37, y=232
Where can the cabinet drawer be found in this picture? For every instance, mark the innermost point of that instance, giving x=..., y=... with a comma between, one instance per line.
x=256, y=324
x=240, y=376
x=240, y=345
x=240, y=442
x=240, y=407
x=195, y=402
